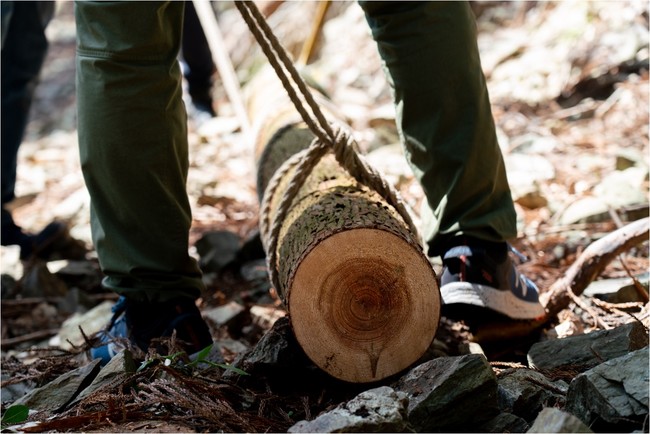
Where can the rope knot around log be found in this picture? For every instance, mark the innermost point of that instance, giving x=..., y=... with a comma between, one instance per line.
x=342, y=250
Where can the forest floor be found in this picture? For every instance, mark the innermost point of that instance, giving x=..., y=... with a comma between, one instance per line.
x=569, y=88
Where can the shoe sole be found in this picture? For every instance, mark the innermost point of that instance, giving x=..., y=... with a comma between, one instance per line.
x=500, y=301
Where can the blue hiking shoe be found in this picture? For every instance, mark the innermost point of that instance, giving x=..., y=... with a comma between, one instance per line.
x=135, y=324
x=475, y=276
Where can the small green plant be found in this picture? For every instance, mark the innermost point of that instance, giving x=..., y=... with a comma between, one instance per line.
x=200, y=358
x=14, y=414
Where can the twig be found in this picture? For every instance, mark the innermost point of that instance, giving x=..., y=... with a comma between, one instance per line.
x=308, y=46
x=637, y=285
x=591, y=263
x=11, y=342
x=597, y=322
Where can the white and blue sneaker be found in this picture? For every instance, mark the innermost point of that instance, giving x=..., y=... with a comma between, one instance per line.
x=472, y=276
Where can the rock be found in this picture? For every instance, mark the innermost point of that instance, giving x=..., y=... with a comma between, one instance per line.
x=377, y=410
x=277, y=351
x=12, y=392
x=614, y=394
x=217, y=249
x=554, y=420
x=10, y=261
x=621, y=290
x=623, y=187
x=37, y=281
x=450, y=393
x=582, y=352
x=115, y=372
x=585, y=210
x=526, y=169
x=224, y=315
x=524, y=392
x=266, y=316
x=91, y=322
x=56, y=394
x=9, y=286
x=504, y=423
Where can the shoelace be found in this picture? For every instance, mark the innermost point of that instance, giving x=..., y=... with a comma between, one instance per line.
x=521, y=256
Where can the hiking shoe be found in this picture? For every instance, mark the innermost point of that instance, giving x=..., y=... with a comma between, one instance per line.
x=137, y=323
x=472, y=276
x=52, y=242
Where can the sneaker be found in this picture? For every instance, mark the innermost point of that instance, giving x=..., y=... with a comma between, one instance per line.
x=137, y=324
x=472, y=276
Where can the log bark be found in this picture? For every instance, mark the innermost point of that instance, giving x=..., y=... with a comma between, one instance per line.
x=591, y=263
x=362, y=297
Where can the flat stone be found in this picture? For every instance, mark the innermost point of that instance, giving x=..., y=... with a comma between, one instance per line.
x=614, y=394
x=450, y=393
x=621, y=290
x=224, y=315
x=582, y=352
x=376, y=410
x=91, y=322
x=552, y=420
x=115, y=372
x=504, y=423
x=524, y=392
x=54, y=395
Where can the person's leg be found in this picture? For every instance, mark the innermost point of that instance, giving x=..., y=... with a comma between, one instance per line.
x=197, y=56
x=134, y=157
x=24, y=47
x=444, y=118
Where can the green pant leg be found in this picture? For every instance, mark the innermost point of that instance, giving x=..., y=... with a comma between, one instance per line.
x=444, y=118
x=133, y=146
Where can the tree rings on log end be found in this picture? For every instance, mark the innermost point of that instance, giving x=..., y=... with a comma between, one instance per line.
x=364, y=305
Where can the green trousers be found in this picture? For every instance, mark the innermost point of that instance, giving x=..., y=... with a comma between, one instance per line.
x=133, y=134
x=444, y=118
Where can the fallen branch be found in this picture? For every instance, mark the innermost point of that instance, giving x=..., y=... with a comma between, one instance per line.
x=41, y=334
x=591, y=263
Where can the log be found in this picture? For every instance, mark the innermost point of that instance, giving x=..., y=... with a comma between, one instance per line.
x=361, y=295
x=591, y=263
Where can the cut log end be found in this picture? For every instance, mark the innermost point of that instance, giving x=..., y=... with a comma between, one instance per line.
x=364, y=305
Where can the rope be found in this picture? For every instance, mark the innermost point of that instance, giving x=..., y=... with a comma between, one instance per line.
x=327, y=139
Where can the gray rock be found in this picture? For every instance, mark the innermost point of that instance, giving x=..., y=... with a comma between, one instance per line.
x=582, y=352
x=217, y=249
x=91, y=322
x=585, y=210
x=450, y=393
x=614, y=393
x=277, y=351
x=113, y=373
x=224, y=315
x=56, y=394
x=621, y=290
x=12, y=392
x=525, y=392
x=377, y=410
x=552, y=420
x=504, y=423
x=623, y=187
